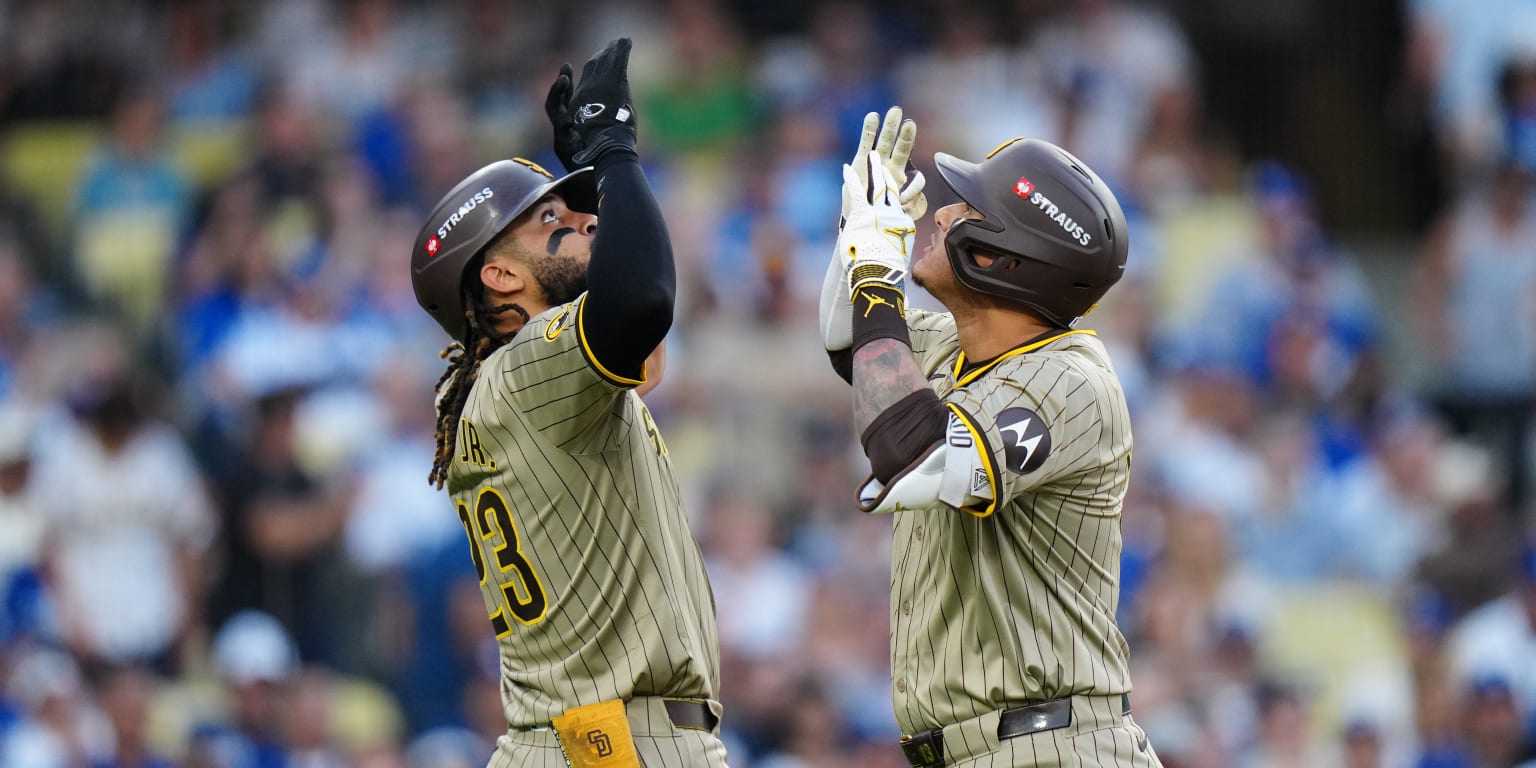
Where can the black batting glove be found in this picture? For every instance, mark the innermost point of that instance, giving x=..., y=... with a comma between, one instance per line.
x=557, y=106
x=596, y=117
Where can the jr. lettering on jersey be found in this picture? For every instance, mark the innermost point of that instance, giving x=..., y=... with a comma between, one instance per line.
x=473, y=451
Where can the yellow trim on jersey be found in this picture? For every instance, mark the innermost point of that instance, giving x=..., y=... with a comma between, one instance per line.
x=973, y=375
x=988, y=461
x=586, y=350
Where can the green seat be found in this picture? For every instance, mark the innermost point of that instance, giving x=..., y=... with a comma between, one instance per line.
x=42, y=161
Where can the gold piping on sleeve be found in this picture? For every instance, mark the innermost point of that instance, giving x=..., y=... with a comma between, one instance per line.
x=586, y=350
x=988, y=461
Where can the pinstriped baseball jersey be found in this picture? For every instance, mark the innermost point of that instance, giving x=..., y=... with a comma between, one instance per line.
x=594, y=584
x=1013, y=599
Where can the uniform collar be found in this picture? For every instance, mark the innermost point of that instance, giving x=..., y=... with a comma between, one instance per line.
x=967, y=373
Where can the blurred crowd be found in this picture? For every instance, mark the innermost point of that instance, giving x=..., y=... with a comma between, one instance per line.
x=218, y=547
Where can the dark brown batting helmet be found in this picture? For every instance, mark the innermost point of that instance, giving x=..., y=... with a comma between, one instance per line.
x=470, y=216
x=1055, y=228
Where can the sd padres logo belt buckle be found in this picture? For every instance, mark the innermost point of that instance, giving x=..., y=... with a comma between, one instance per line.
x=925, y=749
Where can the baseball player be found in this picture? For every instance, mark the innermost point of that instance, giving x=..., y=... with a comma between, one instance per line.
x=998, y=438
x=593, y=583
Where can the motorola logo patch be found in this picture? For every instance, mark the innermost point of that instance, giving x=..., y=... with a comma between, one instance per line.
x=1026, y=439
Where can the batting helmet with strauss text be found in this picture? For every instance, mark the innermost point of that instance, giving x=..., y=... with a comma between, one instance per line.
x=1054, y=229
x=470, y=216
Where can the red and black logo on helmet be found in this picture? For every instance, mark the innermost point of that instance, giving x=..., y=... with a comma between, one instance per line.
x=1055, y=230
x=471, y=215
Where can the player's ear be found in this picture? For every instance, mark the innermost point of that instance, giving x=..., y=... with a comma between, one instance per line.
x=504, y=276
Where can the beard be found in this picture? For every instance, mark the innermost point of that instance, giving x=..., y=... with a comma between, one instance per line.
x=561, y=279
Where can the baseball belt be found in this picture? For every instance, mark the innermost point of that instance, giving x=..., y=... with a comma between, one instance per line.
x=689, y=713
x=925, y=749
x=684, y=713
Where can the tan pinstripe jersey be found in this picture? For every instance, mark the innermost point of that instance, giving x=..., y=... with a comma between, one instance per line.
x=593, y=581
x=1013, y=599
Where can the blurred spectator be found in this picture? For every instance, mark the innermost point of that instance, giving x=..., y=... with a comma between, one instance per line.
x=354, y=63
x=1499, y=639
x=1477, y=287
x=395, y=517
x=285, y=164
x=1441, y=742
x=1496, y=729
x=1171, y=167
x=1107, y=61
x=129, y=210
x=228, y=271
x=1471, y=561
x=33, y=273
x=1284, y=738
x=835, y=70
x=1517, y=101
x=257, y=662
x=59, y=64
x=1211, y=413
x=308, y=722
x=1362, y=746
x=59, y=725
x=442, y=143
x=16, y=327
x=211, y=77
x=125, y=694
x=22, y=525
x=129, y=520
x=1454, y=51
x=1004, y=93
x=1298, y=317
x=760, y=594
x=813, y=737
x=446, y=748
x=501, y=47
x=771, y=253
x=395, y=522
x=450, y=661
x=702, y=103
x=1393, y=499
x=281, y=523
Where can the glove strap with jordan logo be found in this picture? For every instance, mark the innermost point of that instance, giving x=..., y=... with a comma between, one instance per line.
x=879, y=312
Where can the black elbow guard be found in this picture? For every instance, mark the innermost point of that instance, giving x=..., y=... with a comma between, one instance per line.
x=903, y=433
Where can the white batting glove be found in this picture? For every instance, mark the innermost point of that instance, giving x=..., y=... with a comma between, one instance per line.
x=891, y=142
x=875, y=246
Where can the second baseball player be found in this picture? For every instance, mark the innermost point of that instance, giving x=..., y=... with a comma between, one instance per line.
x=999, y=438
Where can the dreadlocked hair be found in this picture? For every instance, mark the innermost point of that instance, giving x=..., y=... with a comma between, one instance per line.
x=464, y=358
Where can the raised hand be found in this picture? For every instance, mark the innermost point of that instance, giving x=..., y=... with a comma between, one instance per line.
x=595, y=116
x=890, y=141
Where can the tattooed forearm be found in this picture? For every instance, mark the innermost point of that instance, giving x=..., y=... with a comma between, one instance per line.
x=884, y=372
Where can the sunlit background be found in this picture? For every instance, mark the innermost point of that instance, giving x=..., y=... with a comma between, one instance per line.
x=217, y=543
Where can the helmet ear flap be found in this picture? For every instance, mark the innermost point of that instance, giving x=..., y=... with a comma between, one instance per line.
x=1006, y=277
